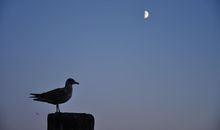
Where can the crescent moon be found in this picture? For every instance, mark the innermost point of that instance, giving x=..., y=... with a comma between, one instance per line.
x=146, y=14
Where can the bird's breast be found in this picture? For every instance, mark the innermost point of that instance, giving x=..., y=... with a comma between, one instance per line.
x=68, y=94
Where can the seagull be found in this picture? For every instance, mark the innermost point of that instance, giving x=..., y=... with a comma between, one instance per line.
x=56, y=96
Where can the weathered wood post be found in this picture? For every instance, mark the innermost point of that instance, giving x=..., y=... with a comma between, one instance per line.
x=70, y=121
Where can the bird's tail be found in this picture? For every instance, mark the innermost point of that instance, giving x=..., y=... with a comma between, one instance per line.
x=37, y=97
x=34, y=95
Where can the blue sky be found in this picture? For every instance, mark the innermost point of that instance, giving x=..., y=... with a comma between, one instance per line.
x=158, y=74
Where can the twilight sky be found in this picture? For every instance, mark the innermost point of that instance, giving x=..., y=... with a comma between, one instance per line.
x=156, y=74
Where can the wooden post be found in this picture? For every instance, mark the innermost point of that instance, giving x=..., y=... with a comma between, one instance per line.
x=70, y=121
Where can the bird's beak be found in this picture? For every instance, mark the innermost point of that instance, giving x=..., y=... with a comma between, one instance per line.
x=76, y=83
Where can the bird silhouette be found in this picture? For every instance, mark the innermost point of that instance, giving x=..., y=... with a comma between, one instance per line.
x=56, y=96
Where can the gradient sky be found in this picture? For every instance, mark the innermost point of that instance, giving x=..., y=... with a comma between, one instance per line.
x=156, y=74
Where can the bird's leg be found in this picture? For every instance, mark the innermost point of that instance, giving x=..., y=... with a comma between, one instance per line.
x=57, y=108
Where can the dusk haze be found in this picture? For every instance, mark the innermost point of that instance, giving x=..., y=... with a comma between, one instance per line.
x=160, y=72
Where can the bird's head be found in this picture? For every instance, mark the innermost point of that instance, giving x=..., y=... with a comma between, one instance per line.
x=71, y=81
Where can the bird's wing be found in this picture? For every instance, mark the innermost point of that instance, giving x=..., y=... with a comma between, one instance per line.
x=52, y=96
